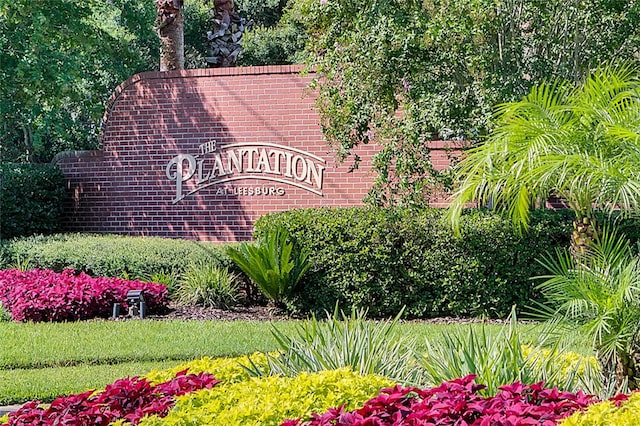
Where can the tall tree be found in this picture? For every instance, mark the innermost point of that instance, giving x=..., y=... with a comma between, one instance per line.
x=170, y=27
x=399, y=72
x=579, y=142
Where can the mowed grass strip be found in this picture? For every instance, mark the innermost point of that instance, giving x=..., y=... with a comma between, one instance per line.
x=45, y=384
x=37, y=345
x=44, y=360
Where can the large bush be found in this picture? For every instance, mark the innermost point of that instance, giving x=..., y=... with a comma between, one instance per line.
x=31, y=197
x=384, y=259
x=111, y=255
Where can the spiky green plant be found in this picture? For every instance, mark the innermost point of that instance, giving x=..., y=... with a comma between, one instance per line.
x=274, y=264
x=598, y=294
x=206, y=284
x=366, y=347
x=499, y=359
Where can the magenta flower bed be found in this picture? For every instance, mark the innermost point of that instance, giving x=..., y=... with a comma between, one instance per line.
x=457, y=403
x=43, y=295
x=130, y=399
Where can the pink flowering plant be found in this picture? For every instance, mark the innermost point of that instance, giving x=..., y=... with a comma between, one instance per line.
x=44, y=295
x=457, y=402
x=130, y=399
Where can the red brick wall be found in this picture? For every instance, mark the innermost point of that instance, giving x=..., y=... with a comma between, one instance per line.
x=153, y=117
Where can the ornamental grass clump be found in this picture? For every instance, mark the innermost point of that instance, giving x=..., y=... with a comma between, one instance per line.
x=209, y=285
x=366, y=347
x=500, y=359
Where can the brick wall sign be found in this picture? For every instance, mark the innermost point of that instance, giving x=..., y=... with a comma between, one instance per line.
x=201, y=154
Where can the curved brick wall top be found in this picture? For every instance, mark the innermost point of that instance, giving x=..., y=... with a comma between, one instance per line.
x=201, y=154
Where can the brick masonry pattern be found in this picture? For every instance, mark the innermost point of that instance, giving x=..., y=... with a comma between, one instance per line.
x=123, y=187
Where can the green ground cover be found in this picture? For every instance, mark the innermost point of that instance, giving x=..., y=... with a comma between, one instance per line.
x=42, y=360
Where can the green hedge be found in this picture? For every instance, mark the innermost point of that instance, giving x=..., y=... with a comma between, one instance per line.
x=384, y=259
x=31, y=197
x=110, y=255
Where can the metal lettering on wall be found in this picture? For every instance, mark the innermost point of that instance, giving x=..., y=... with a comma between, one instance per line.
x=215, y=165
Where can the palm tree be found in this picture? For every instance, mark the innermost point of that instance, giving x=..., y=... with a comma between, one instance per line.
x=578, y=142
x=170, y=27
x=600, y=297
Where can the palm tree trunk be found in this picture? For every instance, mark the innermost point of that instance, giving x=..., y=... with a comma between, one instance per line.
x=170, y=26
x=626, y=371
x=584, y=231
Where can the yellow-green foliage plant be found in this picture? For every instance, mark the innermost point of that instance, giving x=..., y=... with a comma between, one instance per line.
x=267, y=401
x=228, y=370
x=566, y=363
x=606, y=413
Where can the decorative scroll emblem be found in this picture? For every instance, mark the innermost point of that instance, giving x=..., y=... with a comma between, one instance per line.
x=238, y=161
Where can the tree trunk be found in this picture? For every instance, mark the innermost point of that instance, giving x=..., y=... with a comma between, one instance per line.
x=626, y=370
x=584, y=231
x=224, y=40
x=170, y=26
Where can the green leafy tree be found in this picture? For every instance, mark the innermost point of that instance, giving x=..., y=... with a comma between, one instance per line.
x=59, y=63
x=578, y=142
x=401, y=72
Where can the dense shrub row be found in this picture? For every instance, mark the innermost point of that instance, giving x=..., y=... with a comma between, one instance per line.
x=31, y=197
x=44, y=295
x=130, y=399
x=110, y=255
x=383, y=259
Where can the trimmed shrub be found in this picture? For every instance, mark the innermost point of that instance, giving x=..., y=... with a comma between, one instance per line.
x=384, y=259
x=31, y=199
x=113, y=255
x=44, y=295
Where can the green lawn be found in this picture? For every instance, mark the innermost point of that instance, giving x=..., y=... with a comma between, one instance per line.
x=43, y=360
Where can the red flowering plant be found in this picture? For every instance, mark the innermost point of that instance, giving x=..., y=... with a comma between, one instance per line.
x=44, y=295
x=130, y=399
x=457, y=402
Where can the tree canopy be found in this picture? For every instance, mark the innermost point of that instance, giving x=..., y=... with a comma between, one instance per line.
x=401, y=72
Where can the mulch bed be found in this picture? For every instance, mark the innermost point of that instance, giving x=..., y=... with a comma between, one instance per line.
x=264, y=313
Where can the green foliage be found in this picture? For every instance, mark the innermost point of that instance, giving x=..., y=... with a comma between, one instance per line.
x=384, y=259
x=268, y=401
x=112, y=255
x=398, y=72
x=208, y=285
x=228, y=370
x=579, y=142
x=499, y=360
x=272, y=45
x=274, y=263
x=341, y=341
x=31, y=199
x=263, y=13
x=57, y=80
x=598, y=294
x=607, y=413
